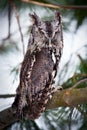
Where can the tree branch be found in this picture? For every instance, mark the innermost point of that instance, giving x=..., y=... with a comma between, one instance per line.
x=68, y=97
x=18, y=21
x=63, y=98
x=55, y=6
x=7, y=118
x=79, y=82
x=7, y=95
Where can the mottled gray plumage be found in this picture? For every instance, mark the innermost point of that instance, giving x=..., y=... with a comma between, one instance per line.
x=39, y=66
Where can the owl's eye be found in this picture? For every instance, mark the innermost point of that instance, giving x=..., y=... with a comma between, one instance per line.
x=41, y=31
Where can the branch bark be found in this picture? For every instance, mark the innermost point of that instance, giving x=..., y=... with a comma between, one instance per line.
x=68, y=98
x=63, y=98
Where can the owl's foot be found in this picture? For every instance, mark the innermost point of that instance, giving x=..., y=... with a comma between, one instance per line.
x=53, y=90
x=58, y=88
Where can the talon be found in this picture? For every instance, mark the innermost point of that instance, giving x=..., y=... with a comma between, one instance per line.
x=58, y=88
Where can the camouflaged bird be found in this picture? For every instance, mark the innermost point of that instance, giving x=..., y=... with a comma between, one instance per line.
x=39, y=67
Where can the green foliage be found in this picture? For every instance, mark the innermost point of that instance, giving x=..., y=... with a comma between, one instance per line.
x=15, y=71
x=82, y=69
x=25, y=124
x=75, y=79
x=83, y=65
x=84, y=125
x=78, y=14
x=3, y=4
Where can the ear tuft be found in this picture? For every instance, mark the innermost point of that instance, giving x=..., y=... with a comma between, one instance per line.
x=57, y=17
x=35, y=19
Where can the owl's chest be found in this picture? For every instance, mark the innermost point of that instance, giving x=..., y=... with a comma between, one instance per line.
x=39, y=67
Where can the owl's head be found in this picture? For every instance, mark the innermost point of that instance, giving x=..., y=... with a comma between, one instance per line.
x=48, y=32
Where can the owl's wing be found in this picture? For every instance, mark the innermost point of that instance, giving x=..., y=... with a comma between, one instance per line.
x=58, y=47
x=21, y=92
x=40, y=81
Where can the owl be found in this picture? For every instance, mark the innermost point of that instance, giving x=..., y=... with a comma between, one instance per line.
x=39, y=67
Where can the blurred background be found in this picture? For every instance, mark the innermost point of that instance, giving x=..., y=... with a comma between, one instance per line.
x=15, y=27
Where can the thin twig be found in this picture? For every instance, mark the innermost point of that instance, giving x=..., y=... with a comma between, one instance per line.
x=79, y=82
x=80, y=75
x=9, y=20
x=18, y=21
x=7, y=95
x=9, y=17
x=55, y=6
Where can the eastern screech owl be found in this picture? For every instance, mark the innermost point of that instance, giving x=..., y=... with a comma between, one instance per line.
x=40, y=66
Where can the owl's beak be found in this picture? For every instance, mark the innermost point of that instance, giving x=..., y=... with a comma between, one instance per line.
x=50, y=39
